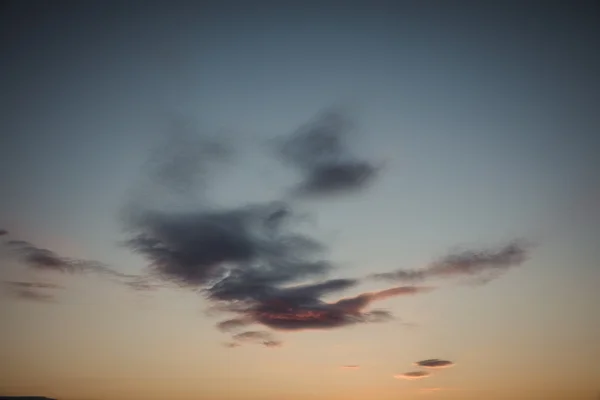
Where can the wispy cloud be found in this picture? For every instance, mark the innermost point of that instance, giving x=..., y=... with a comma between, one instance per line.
x=42, y=259
x=45, y=260
x=33, y=291
x=319, y=150
x=413, y=375
x=489, y=262
x=434, y=363
x=259, y=337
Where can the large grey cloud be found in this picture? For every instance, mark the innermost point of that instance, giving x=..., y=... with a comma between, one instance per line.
x=252, y=260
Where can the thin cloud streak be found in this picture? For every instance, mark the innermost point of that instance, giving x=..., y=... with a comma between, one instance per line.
x=492, y=262
x=32, y=291
x=45, y=260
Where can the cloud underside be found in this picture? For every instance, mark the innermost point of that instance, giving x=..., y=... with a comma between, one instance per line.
x=319, y=151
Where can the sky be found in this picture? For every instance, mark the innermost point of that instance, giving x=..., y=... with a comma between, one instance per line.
x=343, y=200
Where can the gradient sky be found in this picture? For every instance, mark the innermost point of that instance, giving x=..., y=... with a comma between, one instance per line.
x=486, y=121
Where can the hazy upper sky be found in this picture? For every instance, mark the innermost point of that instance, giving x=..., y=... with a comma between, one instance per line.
x=201, y=149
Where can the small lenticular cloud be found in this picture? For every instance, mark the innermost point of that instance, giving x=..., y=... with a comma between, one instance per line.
x=434, y=363
x=350, y=366
x=413, y=375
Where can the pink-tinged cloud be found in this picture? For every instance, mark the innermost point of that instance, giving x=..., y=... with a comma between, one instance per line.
x=434, y=363
x=413, y=375
x=287, y=313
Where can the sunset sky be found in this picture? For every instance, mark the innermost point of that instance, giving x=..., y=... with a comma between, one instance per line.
x=261, y=201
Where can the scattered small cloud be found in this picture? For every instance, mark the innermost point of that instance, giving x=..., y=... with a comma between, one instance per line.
x=232, y=324
x=488, y=262
x=413, y=375
x=319, y=151
x=272, y=343
x=435, y=363
x=259, y=337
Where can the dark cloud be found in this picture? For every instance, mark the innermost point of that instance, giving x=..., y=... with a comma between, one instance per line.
x=281, y=312
x=434, y=363
x=244, y=249
x=413, y=375
x=489, y=263
x=320, y=152
x=33, y=291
